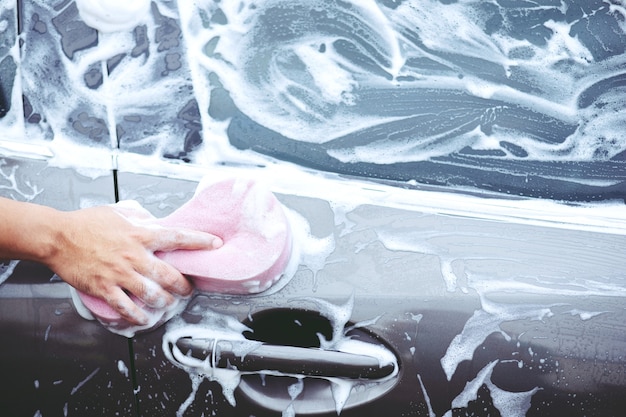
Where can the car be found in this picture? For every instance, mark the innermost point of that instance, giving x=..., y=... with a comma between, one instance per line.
x=453, y=174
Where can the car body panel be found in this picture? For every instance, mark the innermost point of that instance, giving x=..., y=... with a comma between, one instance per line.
x=529, y=306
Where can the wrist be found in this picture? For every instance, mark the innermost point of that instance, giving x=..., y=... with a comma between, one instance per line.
x=52, y=232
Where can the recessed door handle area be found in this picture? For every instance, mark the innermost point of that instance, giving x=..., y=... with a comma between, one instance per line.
x=252, y=357
x=300, y=359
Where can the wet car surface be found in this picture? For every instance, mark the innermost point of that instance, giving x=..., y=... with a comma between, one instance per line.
x=457, y=191
x=494, y=325
x=518, y=316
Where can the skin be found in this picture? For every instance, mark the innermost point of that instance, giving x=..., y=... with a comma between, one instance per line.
x=104, y=251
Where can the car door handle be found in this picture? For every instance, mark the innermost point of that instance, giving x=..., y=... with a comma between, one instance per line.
x=256, y=357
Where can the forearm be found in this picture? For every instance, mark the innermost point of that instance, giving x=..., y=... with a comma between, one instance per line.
x=29, y=231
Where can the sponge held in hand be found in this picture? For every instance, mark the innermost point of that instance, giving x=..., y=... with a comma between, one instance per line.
x=256, y=247
x=254, y=228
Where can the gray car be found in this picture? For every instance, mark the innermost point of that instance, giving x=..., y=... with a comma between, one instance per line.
x=454, y=174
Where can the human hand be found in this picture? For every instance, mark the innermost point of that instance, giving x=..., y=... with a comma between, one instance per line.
x=108, y=252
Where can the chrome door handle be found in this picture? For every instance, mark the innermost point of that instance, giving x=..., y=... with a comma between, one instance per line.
x=251, y=356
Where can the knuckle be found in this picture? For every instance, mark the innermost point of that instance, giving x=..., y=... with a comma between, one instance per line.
x=125, y=307
x=167, y=275
x=142, y=290
x=155, y=296
x=178, y=236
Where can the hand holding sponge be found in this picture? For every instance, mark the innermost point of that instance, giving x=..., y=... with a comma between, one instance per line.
x=256, y=248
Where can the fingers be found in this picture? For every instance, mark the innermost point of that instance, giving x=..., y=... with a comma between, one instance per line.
x=121, y=302
x=157, y=281
x=168, y=278
x=168, y=239
x=155, y=292
x=158, y=287
x=138, y=273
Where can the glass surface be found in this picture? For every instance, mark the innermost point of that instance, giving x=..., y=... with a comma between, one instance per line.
x=512, y=97
x=516, y=97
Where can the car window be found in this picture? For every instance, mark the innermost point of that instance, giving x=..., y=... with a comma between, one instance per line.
x=513, y=98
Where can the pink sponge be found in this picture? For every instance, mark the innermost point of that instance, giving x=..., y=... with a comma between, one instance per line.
x=255, y=231
x=256, y=250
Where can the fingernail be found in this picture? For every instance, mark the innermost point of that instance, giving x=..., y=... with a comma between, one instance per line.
x=186, y=295
x=217, y=243
x=183, y=289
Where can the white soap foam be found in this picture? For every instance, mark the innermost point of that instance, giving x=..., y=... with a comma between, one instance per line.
x=329, y=86
x=312, y=251
x=346, y=194
x=294, y=391
x=314, y=95
x=130, y=89
x=12, y=188
x=213, y=326
x=474, y=249
x=216, y=326
x=431, y=413
x=585, y=315
x=514, y=404
x=113, y=15
x=84, y=381
x=6, y=270
x=155, y=316
x=121, y=366
x=79, y=306
x=341, y=390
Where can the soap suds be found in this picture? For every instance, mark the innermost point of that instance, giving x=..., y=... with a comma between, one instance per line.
x=214, y=326
x=113, y=15
x=514, y=404
x=121, y=366
x=6, y=270
x=310, y=78
x=84, y=381
x=431, y=413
